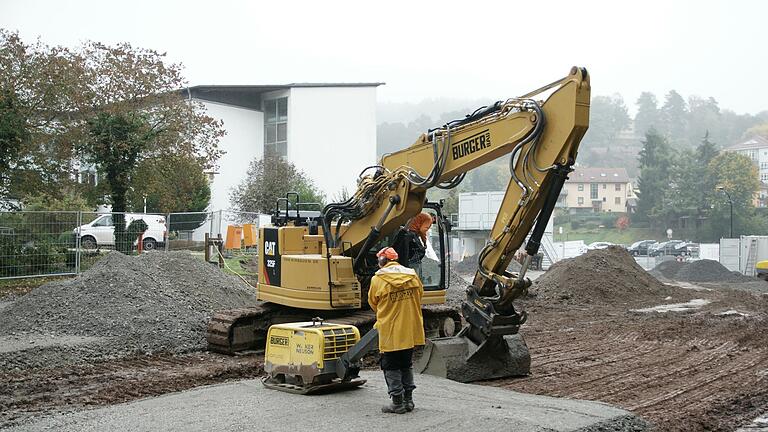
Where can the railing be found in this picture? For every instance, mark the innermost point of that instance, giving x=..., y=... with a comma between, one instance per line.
x=56, y=243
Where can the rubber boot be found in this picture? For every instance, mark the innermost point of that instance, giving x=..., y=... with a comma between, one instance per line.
x=396, y=406
x=408, y=400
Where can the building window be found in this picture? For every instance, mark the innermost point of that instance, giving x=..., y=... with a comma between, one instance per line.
x=605, y=186
x=618, y=187
x=763, y=165
x=617, y=200
x=764, y=177
x=581, y=187
x=581, y=200
x=276, y=126
x=593, y=191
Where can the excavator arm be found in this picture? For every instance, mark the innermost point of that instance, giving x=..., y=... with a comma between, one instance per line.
x=541, y=138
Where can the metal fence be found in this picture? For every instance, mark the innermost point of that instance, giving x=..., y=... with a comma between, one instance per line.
x=39, y=243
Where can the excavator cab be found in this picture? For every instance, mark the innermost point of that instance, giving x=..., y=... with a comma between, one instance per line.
x=433, y=269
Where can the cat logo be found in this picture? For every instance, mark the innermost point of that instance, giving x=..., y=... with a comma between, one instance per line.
x=269, y=247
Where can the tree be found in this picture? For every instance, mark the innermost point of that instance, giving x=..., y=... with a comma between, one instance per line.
x=655, y=160
x=171, y=184
x=608, y=117
x=674, y=115
x=13, y=136
x=647, y=116
x=267, y=180
x=38, y=84
x=133, y=111
x=738, y=176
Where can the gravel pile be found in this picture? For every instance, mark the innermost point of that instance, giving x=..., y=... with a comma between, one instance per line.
x=600, y=276
x=667, y=269
x=709, y=271
x=156, y=302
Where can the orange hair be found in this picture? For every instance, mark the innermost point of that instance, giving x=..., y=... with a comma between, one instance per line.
x=417, y=222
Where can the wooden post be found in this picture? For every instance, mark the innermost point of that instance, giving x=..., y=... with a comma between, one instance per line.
x=220, y=245
x=207, y=248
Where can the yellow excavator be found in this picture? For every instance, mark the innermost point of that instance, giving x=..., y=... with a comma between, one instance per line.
x=321, y=265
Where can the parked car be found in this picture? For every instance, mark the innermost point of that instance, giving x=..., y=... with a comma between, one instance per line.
x=664, y=248
x=101, y=231
x=686, y=249
x=598, y=245
x=641, y=248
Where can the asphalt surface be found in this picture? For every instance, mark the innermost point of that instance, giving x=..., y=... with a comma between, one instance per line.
x=440, y=405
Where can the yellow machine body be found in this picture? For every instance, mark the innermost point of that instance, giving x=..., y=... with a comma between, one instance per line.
x=761, y=269
x=294, y=271
x=304, y=354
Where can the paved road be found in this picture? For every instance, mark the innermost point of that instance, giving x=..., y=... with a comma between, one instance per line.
x=440, y=405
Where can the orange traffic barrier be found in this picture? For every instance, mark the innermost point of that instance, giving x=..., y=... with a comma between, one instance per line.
x=249, y=235
x=234, y=237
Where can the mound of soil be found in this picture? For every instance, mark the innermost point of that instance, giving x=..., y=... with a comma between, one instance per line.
x=156, y=302
x=708, y=271
x=668, y=269
x=600, y=276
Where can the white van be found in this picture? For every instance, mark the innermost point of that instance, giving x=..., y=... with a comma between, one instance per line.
x=101, y=231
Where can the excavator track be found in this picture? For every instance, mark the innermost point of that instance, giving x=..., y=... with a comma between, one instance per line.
x=244, y=330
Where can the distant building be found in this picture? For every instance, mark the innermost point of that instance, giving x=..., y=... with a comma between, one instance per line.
x=756, y=148
x=326, y=130
x=598, y=190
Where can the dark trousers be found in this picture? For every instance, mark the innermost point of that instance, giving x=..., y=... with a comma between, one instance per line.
x=398, y=371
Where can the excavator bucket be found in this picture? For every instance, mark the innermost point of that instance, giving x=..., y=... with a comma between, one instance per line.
x=459, y=359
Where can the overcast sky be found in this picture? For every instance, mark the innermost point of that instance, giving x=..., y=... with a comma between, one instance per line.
x=466, y=49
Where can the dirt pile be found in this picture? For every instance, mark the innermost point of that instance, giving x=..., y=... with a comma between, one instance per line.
x=709, y=271
x=157, y=302
x=697, y=271
x=667, y=269
x=600, y=276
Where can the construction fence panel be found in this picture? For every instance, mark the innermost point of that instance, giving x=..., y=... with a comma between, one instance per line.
x=38, y=243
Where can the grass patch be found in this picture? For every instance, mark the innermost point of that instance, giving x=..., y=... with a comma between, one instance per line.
x=613, y=235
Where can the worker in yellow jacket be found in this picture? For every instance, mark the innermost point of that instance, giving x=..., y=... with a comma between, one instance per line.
x=395, y=296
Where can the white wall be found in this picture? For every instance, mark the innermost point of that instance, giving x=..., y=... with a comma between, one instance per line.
x=332, y=134
x=243, y=142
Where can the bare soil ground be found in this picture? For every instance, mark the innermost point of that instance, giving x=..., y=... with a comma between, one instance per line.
x=699, y=369
x=695, y=370
x=32, y=393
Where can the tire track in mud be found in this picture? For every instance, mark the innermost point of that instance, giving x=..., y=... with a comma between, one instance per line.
x=44, y=391
x=698, y=387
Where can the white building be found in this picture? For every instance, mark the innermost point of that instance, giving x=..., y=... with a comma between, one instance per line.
x=326, y=130
x=756, y=148
x=473, y=224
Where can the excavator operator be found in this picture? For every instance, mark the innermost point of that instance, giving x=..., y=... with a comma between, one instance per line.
x=411, y=241
x=395, y=296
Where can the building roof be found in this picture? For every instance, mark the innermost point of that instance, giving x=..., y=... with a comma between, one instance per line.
x=755, y=142
x=599, y=175
x=249, y=96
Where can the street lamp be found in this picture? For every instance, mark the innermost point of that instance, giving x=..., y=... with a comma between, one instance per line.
x=730, y=201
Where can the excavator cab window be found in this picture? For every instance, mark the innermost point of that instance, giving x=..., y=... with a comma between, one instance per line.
x=433, y=268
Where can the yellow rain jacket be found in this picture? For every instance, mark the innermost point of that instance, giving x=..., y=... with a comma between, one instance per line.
x=395, y=296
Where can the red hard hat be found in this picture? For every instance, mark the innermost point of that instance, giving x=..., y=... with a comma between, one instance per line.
x=387, y=253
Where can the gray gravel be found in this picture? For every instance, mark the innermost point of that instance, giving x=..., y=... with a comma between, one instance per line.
x=709, y=271
x=440, y=405
x=156, y=302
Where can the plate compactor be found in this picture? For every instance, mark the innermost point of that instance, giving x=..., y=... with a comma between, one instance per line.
x=315, y=357
x=320, y=357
